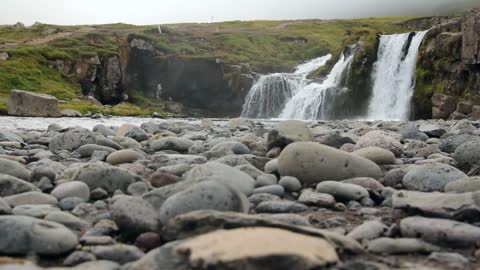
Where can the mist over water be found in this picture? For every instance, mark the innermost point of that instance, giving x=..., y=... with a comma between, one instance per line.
x=177, y=11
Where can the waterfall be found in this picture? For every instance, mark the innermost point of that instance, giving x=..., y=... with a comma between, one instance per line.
x=394, y=76
x=316, y=100
x=270, y=93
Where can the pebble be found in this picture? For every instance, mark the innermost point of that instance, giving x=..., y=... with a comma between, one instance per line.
x=291, y=184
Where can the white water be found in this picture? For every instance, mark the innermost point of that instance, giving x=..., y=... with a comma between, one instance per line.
x=311, y=101
x=394, y=77
x=270, y=93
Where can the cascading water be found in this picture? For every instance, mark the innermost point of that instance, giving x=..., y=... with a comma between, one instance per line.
x=270, y=93
x=394, y=76
x=316, y=100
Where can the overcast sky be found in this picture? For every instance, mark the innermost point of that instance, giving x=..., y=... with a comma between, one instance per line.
x=174, y=11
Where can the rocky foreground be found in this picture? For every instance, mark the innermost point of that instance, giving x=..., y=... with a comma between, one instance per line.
x=242, y=195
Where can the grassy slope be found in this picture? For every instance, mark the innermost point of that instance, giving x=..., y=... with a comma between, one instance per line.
x=262, y=44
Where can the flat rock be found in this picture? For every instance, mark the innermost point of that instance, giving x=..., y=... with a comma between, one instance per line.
x=432, y=130
x=400, y=246
x=200, y=222
x=280, y=207
x=233, y=248
x=313, y=163
x=462, y=206
x=23, y=235
x=440, y=231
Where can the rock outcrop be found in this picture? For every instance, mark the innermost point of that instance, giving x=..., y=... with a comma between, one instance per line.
x=448, y=69
x=471, y=38
x=200, y=82
x=23, y=103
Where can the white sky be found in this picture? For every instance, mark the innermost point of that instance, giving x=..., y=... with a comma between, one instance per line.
x=173, y=11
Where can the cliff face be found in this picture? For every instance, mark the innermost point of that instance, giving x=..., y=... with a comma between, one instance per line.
x=197, y=82
x=203, y=83
x=448, y=70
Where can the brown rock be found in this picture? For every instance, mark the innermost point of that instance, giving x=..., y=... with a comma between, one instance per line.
x=251, y=248
x=159, y=179
x=148, y=241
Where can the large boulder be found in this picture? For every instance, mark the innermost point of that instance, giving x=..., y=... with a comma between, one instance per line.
x=72, y=139
x=23, y=103
x=211, y=195
x=288, y=132
x=431, y=177
x=23, y=235
x=313, y=163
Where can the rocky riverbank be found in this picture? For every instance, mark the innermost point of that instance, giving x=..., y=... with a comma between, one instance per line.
x=241, y=195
